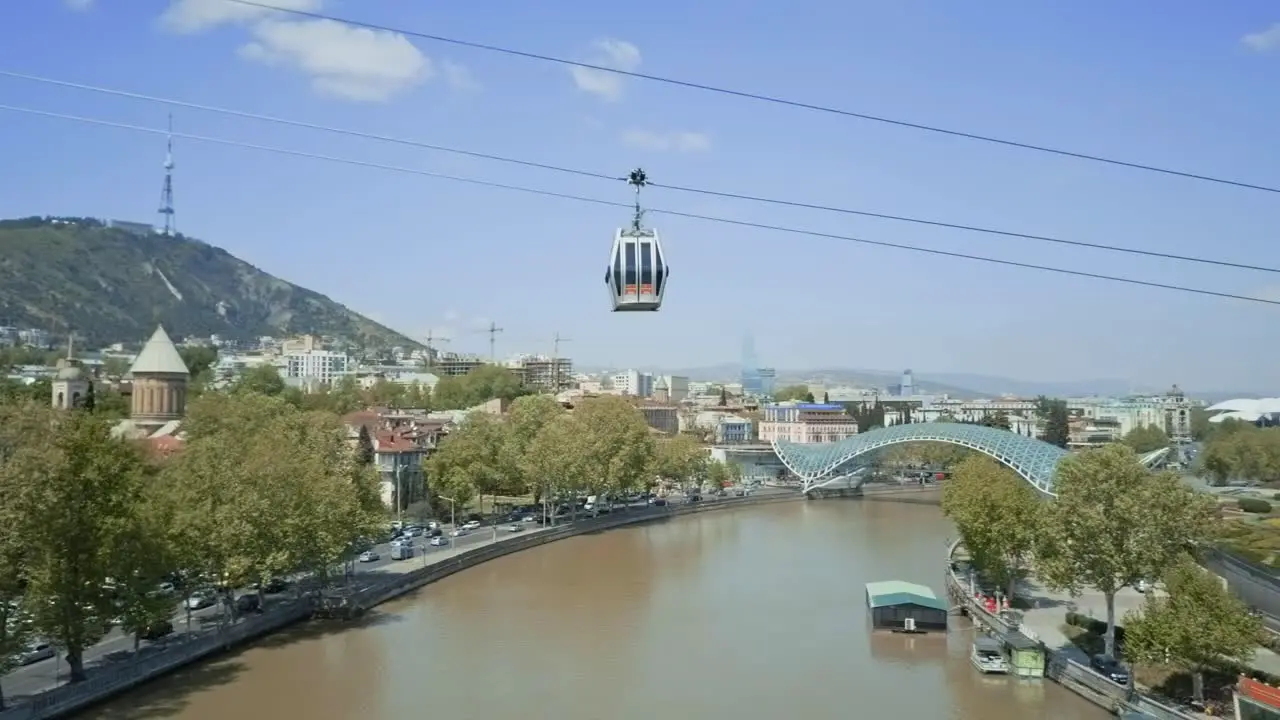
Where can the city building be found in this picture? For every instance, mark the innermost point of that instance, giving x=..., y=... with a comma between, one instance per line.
x=806, y=423
x=663, y=418
x=677, y=388
x=455, y=365
x=768, y=381
x=633, y=382
x=732, y=429
x=542, y=373
x=324, y=366
x=157, y=393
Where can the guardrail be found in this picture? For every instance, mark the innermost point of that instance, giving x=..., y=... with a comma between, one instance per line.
x=1058, y=667
x=108, y=682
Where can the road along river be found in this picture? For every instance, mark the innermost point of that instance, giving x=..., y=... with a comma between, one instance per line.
x=747, y=613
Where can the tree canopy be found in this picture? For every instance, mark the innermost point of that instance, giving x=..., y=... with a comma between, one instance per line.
x=997, y=515
x=1146, y=438
x=1241, y=451
x=1055, y=421
x=793, y=392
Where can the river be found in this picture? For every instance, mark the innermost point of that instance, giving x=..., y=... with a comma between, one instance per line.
x=750, y=613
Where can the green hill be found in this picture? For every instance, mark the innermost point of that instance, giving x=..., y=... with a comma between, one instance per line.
x=111, y=285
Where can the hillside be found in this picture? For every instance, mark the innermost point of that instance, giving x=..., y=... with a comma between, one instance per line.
x=111, y=285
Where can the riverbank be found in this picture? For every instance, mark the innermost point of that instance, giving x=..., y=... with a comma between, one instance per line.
x=1065, y=663
x=396, y=580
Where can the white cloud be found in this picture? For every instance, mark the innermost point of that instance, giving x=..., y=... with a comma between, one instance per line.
x=190, y=16
x=342, y=61
x=608, y=53
x=679, y=141
x=1265, y=40
x=458, y=76
x=79, y=5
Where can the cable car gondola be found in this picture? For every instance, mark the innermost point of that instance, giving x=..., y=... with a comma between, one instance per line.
x=637, y=274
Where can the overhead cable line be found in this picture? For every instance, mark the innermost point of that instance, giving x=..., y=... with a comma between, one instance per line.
x=611, y=203
x=761, y=97
x=604, y=176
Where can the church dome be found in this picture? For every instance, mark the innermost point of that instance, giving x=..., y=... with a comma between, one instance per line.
x=68, y=372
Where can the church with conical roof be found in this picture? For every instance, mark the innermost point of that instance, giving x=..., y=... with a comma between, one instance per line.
x=159, y=397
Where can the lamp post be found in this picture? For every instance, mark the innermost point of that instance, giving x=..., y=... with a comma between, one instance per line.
x=453, y=511
x=399, y=490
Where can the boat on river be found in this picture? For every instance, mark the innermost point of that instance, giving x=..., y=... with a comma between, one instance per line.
x=988, y=656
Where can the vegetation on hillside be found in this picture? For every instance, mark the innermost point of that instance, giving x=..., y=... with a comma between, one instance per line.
x=110, y=285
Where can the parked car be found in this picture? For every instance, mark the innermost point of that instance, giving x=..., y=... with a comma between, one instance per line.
x=200, y=600
x=249, y=602
x=439, y=541
x=1110, y=668
x=368, y=556
x=156, y=630
x=36, y=652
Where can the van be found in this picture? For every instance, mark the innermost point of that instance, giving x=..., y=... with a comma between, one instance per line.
x=402, y=551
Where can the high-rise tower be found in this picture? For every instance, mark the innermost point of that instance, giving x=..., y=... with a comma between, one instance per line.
x=166, y=192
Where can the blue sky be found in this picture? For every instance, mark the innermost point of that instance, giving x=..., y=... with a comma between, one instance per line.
x=1185, y=84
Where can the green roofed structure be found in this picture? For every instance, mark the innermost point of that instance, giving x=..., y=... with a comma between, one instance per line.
x=903, y=606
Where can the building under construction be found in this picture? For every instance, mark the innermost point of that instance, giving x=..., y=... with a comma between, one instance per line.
x=455, y=365
x=539, y=372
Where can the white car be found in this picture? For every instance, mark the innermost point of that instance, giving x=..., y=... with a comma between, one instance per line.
x=368, y=556
x=515, y=528
x=35, y=652
x=439, y=541
x=459, y=532
x=1142, y=586
x=200, y=600
x=472, y=525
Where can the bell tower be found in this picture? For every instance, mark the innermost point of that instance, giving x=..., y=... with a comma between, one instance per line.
x=70, y=386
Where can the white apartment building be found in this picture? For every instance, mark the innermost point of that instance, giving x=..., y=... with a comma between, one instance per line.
x=806, y=423
x=323, y=366
x=633, y=382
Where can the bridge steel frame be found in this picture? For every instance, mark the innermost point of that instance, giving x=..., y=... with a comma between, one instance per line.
x=1034, y=460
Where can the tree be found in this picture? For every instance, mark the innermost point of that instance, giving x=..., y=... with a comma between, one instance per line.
x=1053, y=415
x=1146, y=439
x=15, y=624
x=470, y=460
x=718, y=475
x=90, y=402
x=1240, y=450
x=262, y=379
x=364, y=447
x=1195, y=627
x=998, y=419
x=1114, y=523
x=526, y=419
x=680, y=459
x=997, y=515
x=793, y=392
x=618, y=443
x=555, y=463
x=198, y=358
x=826, y=397
x=75, y=492
x=724, y=397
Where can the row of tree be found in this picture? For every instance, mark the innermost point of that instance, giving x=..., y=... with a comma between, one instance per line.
x=1111, y=525
x=92, y=524
x=1241, y=451
x=603, y=447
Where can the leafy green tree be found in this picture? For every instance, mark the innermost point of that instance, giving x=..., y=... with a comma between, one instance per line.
x=1196, y=626
x=826, y=397
x=15, y=624
x=1200, y=427
x=364, y=448
x=90, y=402
x=618, y=444
x=1056, y=428
x=525, y=421
x=793, y=392
x=718, y=475
x=1114, y=523
x=75, y=492
x=1146, y=439
x=470, y=461
x=1241, y=451
x=679, y=459
x=262, y=379
x=198, y=358
x=998, y=419
x=997, y=515
x=555, y=463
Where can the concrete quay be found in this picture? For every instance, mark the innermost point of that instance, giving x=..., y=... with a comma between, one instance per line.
x=366, y=590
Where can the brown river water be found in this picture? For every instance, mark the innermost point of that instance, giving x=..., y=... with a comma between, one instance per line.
x=749, y=613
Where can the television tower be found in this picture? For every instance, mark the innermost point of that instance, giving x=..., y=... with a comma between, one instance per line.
x=166, y=192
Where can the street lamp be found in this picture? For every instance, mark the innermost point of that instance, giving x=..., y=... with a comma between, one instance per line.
x=399, y=490
x=453, y=510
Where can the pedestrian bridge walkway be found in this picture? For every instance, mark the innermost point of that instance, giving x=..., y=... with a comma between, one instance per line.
x=1034, y=460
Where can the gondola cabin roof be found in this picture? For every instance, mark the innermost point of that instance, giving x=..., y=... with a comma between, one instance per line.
x=888, y=593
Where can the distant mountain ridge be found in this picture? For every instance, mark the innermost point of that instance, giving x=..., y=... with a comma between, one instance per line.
x=115, y=285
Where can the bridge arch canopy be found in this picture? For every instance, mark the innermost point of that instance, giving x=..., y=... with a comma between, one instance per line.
x=1034, y=460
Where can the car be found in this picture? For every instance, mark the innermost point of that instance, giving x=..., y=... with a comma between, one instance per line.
x=514, y=528
x=36, y=652
x=156, y=630
x=439, y=541
x=413, y=531
x=435, y=532
x=200, y=600
x=368, y=556
x=472, y=525
x=459, y=532
x=659, y=502
x=1110, y=668
x=249, y=602
x=1142, y=586
x=275, y=586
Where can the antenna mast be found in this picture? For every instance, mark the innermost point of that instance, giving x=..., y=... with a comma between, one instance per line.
x=493, y=331
x=166, y=192
x=638, y=179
